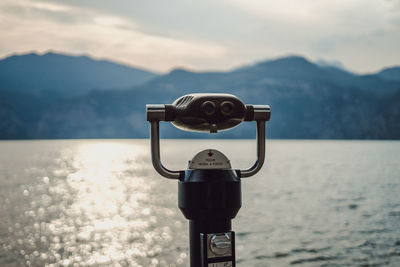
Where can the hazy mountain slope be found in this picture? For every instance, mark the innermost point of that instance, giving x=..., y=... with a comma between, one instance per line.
x=66, y=75
x=392, y=73
x=307, y=101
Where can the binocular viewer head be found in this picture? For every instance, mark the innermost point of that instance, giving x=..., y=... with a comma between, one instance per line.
x=207, y=112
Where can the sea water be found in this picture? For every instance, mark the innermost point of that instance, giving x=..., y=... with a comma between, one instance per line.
x=100, y=203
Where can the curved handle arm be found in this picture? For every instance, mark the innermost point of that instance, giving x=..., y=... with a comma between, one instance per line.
x=260, y=152
x=155, y=153
x=261, y=114
x=155, y=114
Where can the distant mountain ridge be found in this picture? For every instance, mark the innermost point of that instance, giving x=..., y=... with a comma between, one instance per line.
x=308, y=101
x=392, y=73
x=66, y=75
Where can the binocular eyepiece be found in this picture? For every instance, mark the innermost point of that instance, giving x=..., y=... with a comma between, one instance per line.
x=207, y=112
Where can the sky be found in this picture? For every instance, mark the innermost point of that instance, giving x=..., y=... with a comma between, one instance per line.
x=363, y=35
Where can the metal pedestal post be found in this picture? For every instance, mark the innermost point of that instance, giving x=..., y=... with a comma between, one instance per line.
x=210, y=199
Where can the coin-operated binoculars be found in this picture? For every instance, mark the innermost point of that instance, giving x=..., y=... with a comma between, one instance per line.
x=209, y=191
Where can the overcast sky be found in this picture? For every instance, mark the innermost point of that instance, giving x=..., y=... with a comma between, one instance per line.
x=364, y=35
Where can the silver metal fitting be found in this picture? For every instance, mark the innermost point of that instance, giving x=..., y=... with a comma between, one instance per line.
x=155, y=112
x=220, y=245
x=262, y=112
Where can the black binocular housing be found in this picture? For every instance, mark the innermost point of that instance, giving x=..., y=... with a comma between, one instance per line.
x=208, y=112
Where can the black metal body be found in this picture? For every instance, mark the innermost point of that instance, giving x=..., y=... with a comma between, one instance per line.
x=209, y=199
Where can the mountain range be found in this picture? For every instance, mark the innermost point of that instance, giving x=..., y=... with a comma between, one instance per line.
x=61, y=96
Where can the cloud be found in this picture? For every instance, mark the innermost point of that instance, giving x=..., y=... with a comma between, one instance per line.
x=363, y=34
x=217, y=34
x=42, y=26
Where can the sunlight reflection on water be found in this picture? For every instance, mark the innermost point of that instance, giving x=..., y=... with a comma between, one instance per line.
x=100, y=203
x=96, y=207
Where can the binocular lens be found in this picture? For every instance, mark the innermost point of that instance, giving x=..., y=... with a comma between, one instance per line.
x=227, y=108
x=208, y=108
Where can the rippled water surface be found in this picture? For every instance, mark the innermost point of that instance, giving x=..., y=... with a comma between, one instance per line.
x=99, y=203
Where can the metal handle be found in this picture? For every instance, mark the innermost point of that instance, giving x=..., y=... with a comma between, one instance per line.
x=260, y=152
x=155, y=114
x=261, y=114
x=155, y=154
